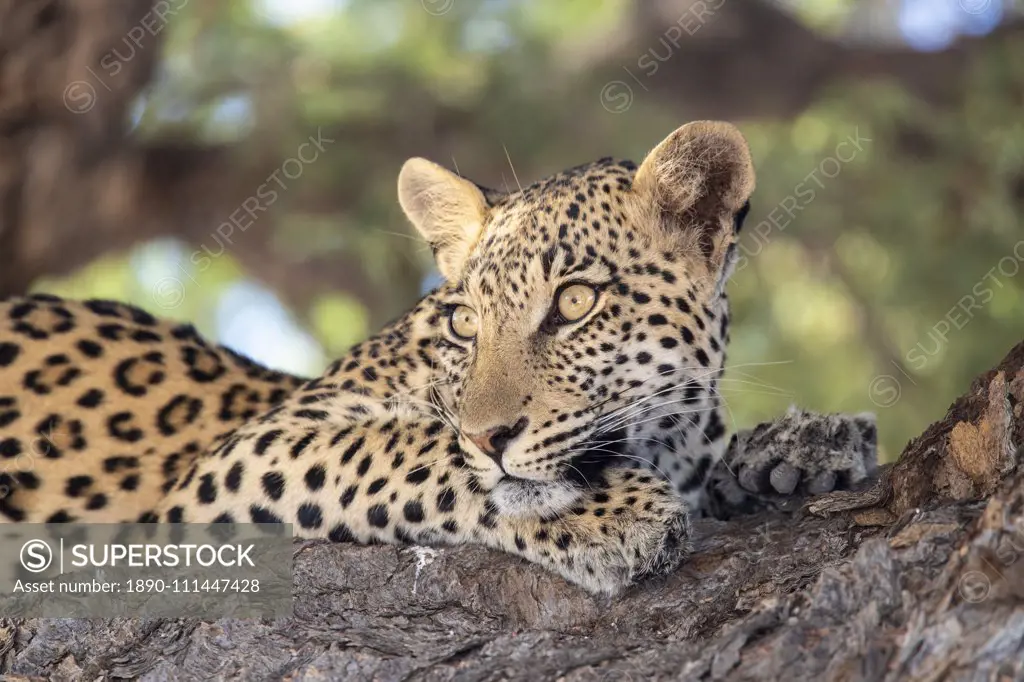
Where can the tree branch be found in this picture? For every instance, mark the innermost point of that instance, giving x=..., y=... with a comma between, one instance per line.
x=916, y=578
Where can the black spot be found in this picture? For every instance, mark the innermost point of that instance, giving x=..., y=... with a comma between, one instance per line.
x=8, y=415
x=104, y=308
x=273, y=484
x=376, y=486
x=403, y=536
x=413, y=511
x=77, y=485
x=315, y=477
x=91, y=398
x=377, y=515
x=313, y=415
x=352, y=449
x=341, y=435
x=123, y=371
x=130, y=482
x=190, y=355
x=233, y=480
x=118, y=427
x=27, y=479
x=118, y=462
x=714, y=429
x=207, y=493
x=265, y=441
x=8, y=353
x=347, y=496
x=310, y=515
x=302, y=443
x=418, y=475
x=144, y=336
x=10, y=447
x=702, y=357
x=224, y=517
x=446, y=500
x=260, y=514
x=32, y=382
x=59, y=517
x=187, y=405
x=90, y=349
x=110, y=331
x=22, y=310
x=341, y=533
x=97, y=501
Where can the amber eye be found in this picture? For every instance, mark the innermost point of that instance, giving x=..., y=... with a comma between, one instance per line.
x=575, y=301
x=463, y=322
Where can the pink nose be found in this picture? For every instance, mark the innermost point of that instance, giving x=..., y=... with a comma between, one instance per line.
x=494, y=442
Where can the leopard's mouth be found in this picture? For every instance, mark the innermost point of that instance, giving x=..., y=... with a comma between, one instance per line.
x=608, y=450
x=515, y=496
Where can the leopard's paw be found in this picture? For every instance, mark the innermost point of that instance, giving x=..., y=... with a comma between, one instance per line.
x=636, y=529
x=798, y=454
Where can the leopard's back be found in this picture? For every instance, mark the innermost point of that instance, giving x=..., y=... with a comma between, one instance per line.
x=103, y=407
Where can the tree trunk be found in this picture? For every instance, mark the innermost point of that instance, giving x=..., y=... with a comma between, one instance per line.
x=920, y=577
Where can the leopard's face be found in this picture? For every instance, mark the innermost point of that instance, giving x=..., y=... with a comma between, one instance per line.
x=585, y=326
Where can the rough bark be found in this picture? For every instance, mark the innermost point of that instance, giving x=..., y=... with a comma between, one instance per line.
x=920, y=577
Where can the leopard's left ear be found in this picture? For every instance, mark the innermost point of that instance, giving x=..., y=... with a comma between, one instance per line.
x=697, y=184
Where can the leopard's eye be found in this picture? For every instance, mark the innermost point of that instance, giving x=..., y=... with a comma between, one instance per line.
x=463, y=322
x=575, y=301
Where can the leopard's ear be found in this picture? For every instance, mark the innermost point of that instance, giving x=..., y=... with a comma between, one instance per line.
x=697, y=184
x=448, y=210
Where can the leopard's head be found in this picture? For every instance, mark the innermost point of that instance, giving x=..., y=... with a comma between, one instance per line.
x=583, y=319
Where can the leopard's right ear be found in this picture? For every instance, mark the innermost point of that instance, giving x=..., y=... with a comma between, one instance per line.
x=448, y=210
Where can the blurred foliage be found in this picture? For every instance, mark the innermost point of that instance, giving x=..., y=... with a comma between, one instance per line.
x=833, y=311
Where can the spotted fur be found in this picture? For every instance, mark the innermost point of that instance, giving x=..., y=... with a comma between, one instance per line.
x=103, y=407
x=514, y=438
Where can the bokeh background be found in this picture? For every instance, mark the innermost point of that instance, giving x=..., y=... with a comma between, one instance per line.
x=233, y=163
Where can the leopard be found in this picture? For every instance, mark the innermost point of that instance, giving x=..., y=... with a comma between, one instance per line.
x=556, y=397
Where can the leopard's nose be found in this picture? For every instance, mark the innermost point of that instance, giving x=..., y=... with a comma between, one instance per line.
x=494, y=442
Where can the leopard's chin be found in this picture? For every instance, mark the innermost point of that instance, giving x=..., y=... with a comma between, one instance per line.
x=520, y=497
